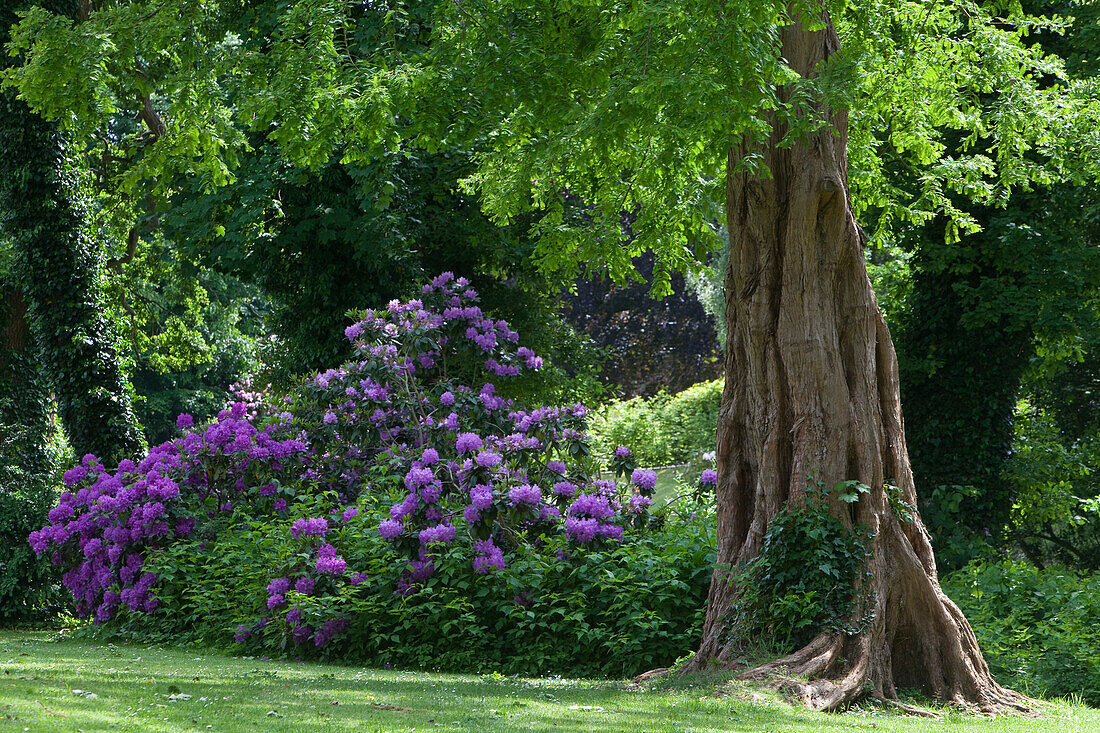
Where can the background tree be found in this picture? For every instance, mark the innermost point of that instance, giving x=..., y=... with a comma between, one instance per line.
x=651, y=345
x=260, y=178
x=985, y=318
x=27, y=583
x=58, y=266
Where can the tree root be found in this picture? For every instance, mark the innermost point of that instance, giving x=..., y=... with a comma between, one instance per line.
x=800, y=676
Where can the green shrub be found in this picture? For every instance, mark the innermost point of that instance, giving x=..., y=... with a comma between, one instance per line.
x=388, y=513
x=554, y=608
x=1036, y=626
x=662, y=429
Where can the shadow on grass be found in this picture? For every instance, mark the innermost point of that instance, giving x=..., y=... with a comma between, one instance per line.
x=46, y=686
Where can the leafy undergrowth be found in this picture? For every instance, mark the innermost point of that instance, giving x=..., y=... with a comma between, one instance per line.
x=52, y=685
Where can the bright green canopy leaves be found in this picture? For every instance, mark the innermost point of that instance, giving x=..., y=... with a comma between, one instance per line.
x=579, y=109
x=203, y=77
x=634, y=106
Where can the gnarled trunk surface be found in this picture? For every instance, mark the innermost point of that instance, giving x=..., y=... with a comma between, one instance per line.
x=812, y=387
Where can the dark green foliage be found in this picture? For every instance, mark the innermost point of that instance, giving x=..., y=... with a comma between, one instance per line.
x=1037, y=627
x=28, y=584
x=1053, y=473
x=988, y=318
x=810, y=577
x=350, y=236
x=959, y=386
x=59, y=267
x=652, y=344
x=983, y=313
x=663, y=429
x=613, y=612
x=30, y=588
x=308, y=239
x=195, y=334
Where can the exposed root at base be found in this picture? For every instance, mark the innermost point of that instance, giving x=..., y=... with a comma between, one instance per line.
x=836, y=695
x=907, y=709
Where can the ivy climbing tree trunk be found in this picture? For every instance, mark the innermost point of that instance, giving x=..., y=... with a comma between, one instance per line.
x=24, y=403
x=60, y=269
x=812, y=388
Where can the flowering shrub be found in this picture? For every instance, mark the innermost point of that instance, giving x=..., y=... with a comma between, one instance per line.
x=370, y=481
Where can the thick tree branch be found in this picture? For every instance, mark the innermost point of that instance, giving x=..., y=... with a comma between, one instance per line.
x=152, y=119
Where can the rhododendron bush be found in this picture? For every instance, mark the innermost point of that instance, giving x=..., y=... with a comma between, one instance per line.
x=400, y=486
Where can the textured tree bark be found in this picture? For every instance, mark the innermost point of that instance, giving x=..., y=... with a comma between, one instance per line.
x=812, y=387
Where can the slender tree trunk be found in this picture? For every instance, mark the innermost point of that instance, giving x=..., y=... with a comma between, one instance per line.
x=812, y=387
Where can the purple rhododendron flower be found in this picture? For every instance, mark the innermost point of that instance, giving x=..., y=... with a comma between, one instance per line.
x=439, y=533
x=278, y=586
x=184, y=421
x=481, y=496
x=710, y=476
x=421, y=570
x=390, y=528
x=417, y=477
x=489, y=557
x=431, y=493
x=330, y=565
x=547, y=513
x=316, y=527
x=304, y=585
x=525, y=494
x=581, y=530
x=75, y=475
x=644, y=478
x=610, y=531
x=467, y=442
x=488, y=459
x=565, y=489
x=408, y=506
x=333, y=627
x=592, y=505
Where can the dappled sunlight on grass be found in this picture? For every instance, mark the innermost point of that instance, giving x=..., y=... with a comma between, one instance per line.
x=48, y=685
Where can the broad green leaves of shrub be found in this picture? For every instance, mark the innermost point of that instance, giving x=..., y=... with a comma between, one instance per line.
x=1036, y=626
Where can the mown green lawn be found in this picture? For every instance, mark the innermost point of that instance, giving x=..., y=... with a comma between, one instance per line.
x=49, y=685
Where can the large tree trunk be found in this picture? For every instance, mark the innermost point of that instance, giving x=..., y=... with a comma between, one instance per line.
x=812, y=387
